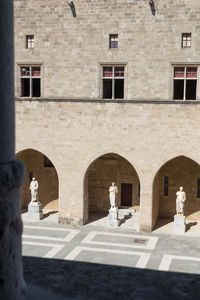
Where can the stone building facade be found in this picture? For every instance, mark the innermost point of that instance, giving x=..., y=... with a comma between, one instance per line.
x=109, y=91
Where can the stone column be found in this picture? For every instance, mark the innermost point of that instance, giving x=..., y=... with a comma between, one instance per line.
x=148, y=211
x=12, y=285
x=7, y=119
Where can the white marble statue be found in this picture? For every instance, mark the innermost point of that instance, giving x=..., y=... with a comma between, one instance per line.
x=112, y=192
x=34, y=190
x=180, y=201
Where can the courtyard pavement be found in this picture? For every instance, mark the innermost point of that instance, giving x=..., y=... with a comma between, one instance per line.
x=104, y=263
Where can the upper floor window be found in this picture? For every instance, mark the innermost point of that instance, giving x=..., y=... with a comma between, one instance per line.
x=113, y=82
x=185, y=83
x=29, y=41
x=186, y=40
x=30, y=80
x=113, y=42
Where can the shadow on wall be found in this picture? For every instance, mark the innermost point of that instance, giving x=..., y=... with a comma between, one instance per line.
x=80, y=280
x=40, y=167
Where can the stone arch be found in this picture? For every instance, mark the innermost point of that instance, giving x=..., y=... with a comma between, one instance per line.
x=104, y=170
x=158, y=164
x=178, y=171
x=42, y=168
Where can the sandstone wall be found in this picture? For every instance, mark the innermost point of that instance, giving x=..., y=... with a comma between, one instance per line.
x=71, y=50
x=74, y=134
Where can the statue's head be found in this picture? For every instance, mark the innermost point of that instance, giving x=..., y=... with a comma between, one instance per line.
x=33, y=178
x=113, y=184
x=181, y=188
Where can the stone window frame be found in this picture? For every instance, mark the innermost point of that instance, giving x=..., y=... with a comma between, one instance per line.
x=187, y=38
x=116, y=40
x=113, y=64
x=19, y=65
x=182, y=64
x=30, y=41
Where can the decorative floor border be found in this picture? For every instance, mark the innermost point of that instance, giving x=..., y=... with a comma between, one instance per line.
x=141, y=263
x=71, y=234
x=152, y=241
x=167, y=260
x=55, y=248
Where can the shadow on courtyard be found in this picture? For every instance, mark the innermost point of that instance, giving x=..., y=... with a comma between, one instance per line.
x=81, y=280
x=47, y=214
x=164, y=225
x=93, y=217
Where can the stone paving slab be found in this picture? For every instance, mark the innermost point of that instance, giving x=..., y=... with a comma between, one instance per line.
x=117, y=258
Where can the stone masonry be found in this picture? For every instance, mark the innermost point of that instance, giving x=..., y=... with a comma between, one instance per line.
x=71, y=50
x=73, y=126
x=72, y=142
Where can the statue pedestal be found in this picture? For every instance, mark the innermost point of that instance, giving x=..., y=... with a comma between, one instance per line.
x=35, y=211
x=179, y=224
x=113, y=217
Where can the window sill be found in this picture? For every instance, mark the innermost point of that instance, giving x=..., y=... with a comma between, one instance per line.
x=118, y=101
x=28, y=98
x=190, y=100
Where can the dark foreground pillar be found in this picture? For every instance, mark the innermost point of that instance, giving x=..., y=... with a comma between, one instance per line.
x=12, y=286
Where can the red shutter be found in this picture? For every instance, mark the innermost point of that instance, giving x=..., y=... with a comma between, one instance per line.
x=191, y=72
x=179, y=72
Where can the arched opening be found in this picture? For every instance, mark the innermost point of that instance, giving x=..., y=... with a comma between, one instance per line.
x=40, y=167
x=179, y=171
x=99, y=176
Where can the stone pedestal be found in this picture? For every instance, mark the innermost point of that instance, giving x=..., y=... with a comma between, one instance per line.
x=179, y=224
x=35, y=211
x=113, y=217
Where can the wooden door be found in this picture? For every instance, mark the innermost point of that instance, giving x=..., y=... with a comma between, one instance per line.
x=126, y=194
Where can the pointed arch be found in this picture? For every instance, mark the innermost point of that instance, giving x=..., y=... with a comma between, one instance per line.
x=102, y=171
x=42, y=168
x=178, y=171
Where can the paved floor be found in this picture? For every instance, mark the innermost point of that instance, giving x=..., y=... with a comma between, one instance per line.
x=60, y=253
x=163, y=226
x=49, y=216
x=125, y=248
